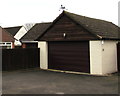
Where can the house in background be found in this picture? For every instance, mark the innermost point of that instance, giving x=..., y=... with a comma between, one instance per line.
x=29, y=39
x=6, y=39
x=19, y=31
x=14, y=30
x=81, y=44
x=23, y=30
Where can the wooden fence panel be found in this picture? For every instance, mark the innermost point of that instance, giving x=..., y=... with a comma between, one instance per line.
x=14, y=59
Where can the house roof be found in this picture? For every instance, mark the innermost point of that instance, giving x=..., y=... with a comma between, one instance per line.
x=100, y=28
x=35, y=31
x=6, y=36
x=13, y=30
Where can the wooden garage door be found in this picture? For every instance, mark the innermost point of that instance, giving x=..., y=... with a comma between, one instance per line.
x=118, y=55
x=70, y=56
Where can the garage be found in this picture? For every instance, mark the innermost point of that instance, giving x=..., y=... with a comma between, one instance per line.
x=70, y=56
x=78, y=43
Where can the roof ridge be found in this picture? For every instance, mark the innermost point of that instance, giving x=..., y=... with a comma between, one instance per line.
x=12, y=27
x=85, y=16
x=43, y=23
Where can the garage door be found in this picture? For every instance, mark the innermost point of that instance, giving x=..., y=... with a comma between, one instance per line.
x=118, y=55
x=70, y=56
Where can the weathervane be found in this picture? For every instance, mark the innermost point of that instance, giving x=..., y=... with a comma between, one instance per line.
x=62, y=8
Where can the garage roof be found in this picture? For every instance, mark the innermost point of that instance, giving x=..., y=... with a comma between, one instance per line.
x=100, y=28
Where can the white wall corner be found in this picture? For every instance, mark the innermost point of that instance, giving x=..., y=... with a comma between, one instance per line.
x=43, y=54
x=95, y=57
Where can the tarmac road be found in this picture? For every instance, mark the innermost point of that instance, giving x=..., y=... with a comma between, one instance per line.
x=36, y=81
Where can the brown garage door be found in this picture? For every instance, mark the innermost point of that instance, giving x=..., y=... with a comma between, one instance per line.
x=118, y=55
x=70, y=56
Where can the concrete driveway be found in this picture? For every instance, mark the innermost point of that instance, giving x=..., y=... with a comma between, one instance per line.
x=36, y=81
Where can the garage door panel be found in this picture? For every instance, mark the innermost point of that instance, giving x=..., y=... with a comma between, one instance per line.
x=73, y=49
x=73, y=62
x=70, y=56
x=64, y=58
x=58, y=63
x=70, y=64
x=78, y=68
x=71, y=68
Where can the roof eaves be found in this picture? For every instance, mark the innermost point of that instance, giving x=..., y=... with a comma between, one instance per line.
x=111, y=39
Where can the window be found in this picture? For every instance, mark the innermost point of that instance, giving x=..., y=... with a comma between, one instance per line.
x=5, y=45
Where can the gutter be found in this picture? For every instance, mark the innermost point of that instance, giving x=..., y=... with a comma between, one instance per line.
x=29, y=41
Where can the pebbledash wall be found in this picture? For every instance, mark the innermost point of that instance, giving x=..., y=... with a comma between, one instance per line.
x=103, y=56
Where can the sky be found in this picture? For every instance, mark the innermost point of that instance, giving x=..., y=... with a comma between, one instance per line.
x=19, y=12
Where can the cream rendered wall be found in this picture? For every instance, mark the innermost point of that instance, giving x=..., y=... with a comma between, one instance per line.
x=95, y=57
x=109, y=57
x=43, y=54
x=103, y=57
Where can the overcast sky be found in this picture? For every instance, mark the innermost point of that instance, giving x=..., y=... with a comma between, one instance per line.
x=19, y=12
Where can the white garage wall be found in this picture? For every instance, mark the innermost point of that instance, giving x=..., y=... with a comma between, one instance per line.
x=43, y=54
x=109, y=57
x=95, y=57
x=103, y=57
